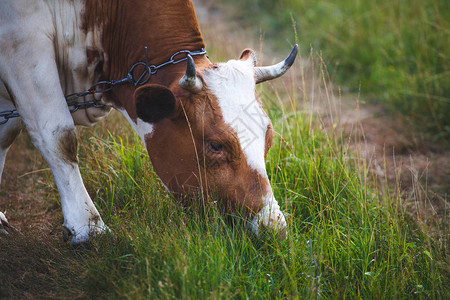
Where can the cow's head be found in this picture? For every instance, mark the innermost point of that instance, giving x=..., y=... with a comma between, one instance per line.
x=208, y=132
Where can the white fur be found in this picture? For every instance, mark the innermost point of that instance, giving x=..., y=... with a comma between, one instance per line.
x=71, y=42
x=3, y=218
x=3, y=223
x=142, y=128
x=270, y=216
x=234, y=86
x=13, y=125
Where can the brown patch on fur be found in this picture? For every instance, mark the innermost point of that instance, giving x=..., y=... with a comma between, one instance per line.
x=129, y=26
x=9, y=137
x=94, y=219
x=93, y=55
x=68, y=146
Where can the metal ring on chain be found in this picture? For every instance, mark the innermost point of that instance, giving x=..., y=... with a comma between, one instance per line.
x=144, y=77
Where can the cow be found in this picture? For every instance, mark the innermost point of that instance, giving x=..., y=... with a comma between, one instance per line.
x=202, y=123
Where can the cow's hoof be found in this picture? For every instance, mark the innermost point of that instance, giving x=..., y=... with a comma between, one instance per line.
x=5, y=228
x=83, y=234
x=66, y=234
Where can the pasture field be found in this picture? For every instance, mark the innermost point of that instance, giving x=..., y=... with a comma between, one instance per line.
x=349, y=234
x=396, y=53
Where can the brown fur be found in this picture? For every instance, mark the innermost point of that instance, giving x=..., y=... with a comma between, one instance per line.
x=184, y=162
x=154, y=102
x=165, y=27
x=68, y=145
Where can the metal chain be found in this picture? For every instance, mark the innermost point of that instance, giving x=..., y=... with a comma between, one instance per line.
x=108, y=85
x=8, y=114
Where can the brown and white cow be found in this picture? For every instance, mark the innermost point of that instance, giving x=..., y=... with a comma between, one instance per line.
x=202, y=123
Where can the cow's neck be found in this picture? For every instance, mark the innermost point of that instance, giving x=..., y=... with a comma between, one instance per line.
x=165, y=27
x=128, y=26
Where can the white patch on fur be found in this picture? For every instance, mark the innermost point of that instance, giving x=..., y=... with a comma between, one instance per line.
x=270, y=216
x=140, y=127
x=233, y=83
x=75, y=72
x=3, y=225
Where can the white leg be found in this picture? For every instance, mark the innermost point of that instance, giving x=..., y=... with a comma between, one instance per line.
x=8, y=133
x=4, y=225
x=40, y=101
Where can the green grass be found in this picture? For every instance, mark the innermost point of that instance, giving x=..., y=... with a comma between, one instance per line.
x=347, y=237
x=392, y=52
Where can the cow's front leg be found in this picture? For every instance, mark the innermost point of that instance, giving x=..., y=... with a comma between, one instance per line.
x=3, y=224
x=8, y=132
x=40, y=101
x=57, y=141
x=81, y=218
x=58, y=144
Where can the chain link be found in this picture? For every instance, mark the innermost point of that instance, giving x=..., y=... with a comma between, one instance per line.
x=8, y=114
x=107, y=85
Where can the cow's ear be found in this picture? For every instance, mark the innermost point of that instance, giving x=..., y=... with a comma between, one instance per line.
x=248, y=54
x=154, y=102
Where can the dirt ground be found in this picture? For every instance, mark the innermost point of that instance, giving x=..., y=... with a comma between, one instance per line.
x=416, y=170
x=33, y=262
x=23, y=193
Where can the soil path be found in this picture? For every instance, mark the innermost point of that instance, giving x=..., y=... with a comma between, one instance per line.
x=417, y=171
x=33, y=262
x=24, y=190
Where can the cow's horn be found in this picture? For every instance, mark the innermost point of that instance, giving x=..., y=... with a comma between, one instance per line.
x=190, y=81
x=271, y=72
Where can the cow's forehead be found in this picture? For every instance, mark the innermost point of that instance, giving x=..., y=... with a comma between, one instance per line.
x=233, y=84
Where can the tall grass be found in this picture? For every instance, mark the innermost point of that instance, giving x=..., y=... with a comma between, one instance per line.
x=393, y=52
x=347, y=238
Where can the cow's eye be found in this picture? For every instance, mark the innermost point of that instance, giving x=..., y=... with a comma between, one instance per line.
x=215, y=146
